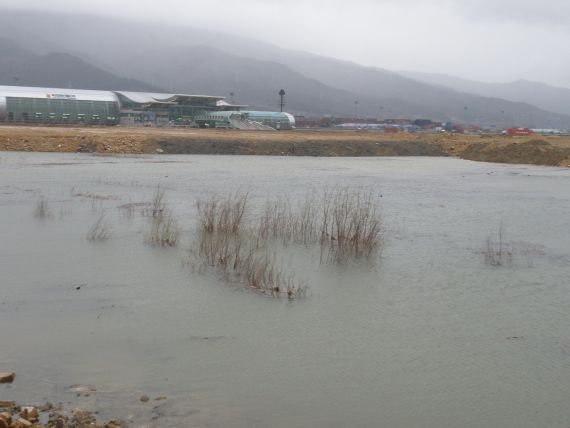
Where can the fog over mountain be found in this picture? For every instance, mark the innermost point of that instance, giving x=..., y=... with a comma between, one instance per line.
x=192, y=60
x=21, y=67
x=485, y=40
x=544, y=96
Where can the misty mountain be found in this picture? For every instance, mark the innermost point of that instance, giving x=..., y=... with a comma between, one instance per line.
x=205, y=70
x=212, y=71
x=200, y=61
x=436, y=101
x=21, y=67
x=544, y=96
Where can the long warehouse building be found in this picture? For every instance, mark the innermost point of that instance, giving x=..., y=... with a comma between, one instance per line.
x=56, y=106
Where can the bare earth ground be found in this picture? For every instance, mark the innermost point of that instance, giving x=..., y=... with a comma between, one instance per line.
x=537, y=150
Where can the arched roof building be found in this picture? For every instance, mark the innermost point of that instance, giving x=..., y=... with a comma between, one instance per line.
x=31, y=105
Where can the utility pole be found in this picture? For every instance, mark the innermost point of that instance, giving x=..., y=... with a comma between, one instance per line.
x=356, y=109
x=282, y=101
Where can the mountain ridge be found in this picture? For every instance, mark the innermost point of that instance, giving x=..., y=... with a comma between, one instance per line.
x=137, y=50
x=547, y=97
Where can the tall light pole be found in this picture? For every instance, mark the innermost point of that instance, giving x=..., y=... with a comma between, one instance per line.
x=282, y=99
x=356, y=109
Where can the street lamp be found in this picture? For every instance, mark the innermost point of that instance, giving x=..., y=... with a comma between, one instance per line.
x=282, y=99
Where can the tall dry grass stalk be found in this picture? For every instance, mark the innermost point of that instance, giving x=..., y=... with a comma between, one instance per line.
x=163, y=231
x=158, y=205
x=222, y=215
x=499, y=251
x=345, y=224
x=297, y=224
x=100, y=231
x=227, y=244
x=351, y=225
x=42, y=209
x=262, y=273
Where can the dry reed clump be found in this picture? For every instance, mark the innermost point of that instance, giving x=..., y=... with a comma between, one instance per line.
x=345, y=224
x=502, y=252
x=498, y=252
x=100, y=231
x=222, y=215
x=262, y=273
x=163, y=230
x=227, y=244
x=351, y=225
x=291, y=224
x=158, y=205
x=42, y=209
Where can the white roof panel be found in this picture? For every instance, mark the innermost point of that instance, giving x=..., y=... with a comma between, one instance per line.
x=153, y=98
x=57, y=93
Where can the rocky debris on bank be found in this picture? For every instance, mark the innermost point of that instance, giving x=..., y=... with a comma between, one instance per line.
x=7, y=377
x=47, y=415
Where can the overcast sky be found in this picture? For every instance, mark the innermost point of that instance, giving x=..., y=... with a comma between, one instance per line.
x=491, y=40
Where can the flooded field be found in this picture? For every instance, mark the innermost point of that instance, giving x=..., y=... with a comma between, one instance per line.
x=431, y=333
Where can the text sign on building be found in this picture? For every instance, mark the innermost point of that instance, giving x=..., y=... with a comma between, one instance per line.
x=51, y=96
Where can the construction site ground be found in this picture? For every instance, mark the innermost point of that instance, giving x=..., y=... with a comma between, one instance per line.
x=534, y=149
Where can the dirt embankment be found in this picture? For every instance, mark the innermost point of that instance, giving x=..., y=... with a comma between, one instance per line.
x=535, y=152
x=333, y=147
x=528, y=150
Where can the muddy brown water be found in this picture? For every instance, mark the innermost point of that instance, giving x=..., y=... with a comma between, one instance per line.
x=429, y=336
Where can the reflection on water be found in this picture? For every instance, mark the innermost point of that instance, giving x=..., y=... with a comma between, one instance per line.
x=431, y=336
